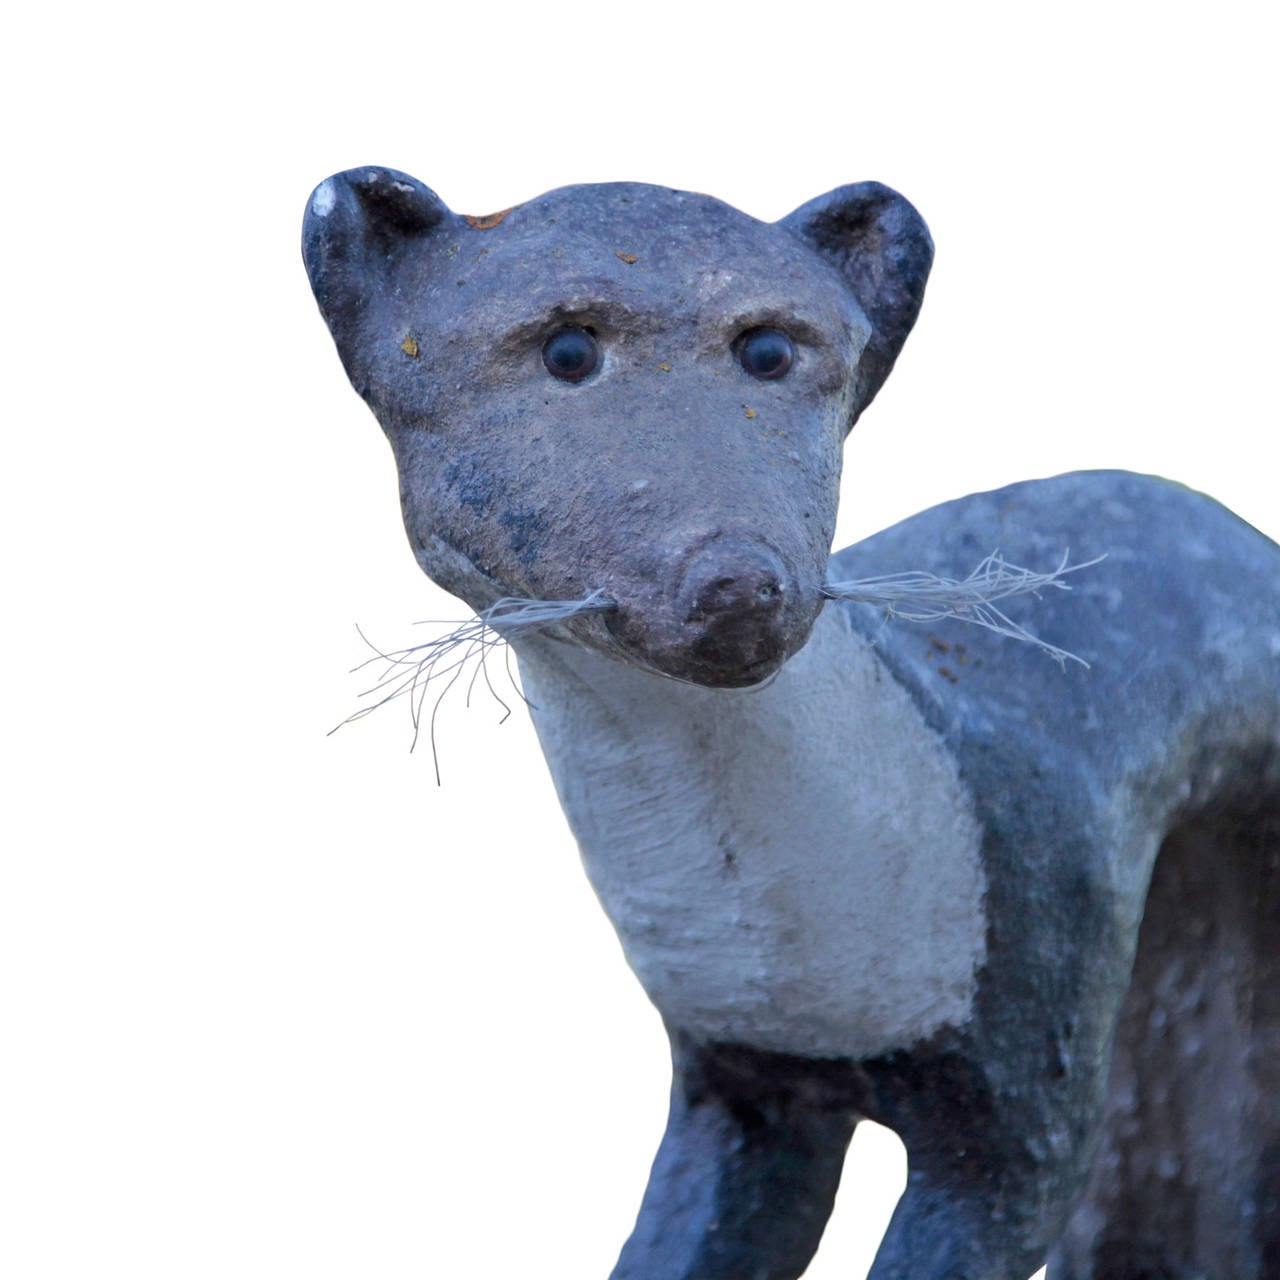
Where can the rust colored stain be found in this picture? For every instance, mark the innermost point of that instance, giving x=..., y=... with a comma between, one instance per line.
x=410, y=346
x=628, y=258
x=485, y=221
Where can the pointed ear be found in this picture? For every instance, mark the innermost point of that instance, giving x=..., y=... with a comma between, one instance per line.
x=355, y=226
x=881, y=246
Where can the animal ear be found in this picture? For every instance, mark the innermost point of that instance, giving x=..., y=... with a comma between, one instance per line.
x=355, y=226
x=880, y=244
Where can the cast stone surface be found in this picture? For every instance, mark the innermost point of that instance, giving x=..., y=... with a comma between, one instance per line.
x=1029, y=919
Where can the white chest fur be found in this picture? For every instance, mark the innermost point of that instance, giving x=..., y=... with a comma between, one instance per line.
x=794, y=868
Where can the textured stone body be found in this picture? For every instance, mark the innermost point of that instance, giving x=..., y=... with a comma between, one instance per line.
x=1028, y=918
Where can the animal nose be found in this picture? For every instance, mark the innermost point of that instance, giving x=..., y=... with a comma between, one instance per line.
x=740, y=579
x=732, y=614
x=734, y=594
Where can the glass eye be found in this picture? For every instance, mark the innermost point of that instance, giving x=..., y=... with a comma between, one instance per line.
x=765, y=353
x=570, y=354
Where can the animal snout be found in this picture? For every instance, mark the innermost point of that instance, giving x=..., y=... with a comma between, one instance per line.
x=741, y=579
x=726, y=613
x=734, y=597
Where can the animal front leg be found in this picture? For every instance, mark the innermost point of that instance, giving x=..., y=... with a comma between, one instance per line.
x=951, y=1233
x=990, y=1184
x=743, y=1182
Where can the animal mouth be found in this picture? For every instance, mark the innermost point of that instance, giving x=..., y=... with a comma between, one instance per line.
x=709, y=666
x=734, y=615
x=746, y=677
x=711, y=663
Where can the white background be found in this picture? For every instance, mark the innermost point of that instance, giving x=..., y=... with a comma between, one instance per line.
x=274, y=1004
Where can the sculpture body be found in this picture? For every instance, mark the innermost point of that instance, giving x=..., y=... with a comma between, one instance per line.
x=862, y=868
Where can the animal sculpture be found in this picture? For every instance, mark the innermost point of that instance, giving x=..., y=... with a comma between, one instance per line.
x=1029, y=918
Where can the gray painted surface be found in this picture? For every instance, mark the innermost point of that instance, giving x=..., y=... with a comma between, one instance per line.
x=766, y=853
x=906, y=877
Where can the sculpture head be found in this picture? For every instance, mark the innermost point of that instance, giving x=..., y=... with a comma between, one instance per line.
x=623, y=389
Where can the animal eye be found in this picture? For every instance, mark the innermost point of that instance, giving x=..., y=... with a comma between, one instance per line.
x=570, y=354
x=765, y=353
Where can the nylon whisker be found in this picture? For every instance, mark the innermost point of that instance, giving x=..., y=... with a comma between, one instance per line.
x=921, y=596
x=438, y=664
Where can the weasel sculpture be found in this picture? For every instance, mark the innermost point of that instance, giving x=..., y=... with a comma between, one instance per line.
x=1028, y=919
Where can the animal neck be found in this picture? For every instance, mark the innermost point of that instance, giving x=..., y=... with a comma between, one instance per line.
x=640, y=725
x=814, y=826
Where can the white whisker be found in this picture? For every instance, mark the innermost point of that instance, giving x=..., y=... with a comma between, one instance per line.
x=438, y=664
x=919, y=596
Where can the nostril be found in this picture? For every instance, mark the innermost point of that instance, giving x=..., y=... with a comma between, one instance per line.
x=750, y=585
x=735, y=595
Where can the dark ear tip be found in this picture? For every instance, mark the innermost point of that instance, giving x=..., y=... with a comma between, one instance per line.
x=388, y=200
x=404, y=203
x=354, y=221
x=855, y=209
x=880, y=244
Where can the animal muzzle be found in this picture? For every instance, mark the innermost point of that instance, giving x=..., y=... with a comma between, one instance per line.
x=732, y=619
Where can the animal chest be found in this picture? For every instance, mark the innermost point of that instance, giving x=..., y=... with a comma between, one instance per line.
x=794, y=867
